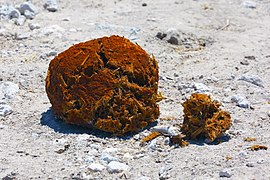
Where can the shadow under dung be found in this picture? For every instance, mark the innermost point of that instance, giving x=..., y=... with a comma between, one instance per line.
x=49, y=119
x=201, y=140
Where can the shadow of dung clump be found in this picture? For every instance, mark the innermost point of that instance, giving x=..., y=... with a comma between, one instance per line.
x=201, y=141
x=48, y=119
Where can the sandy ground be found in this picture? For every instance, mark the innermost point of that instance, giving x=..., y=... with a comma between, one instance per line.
x=35, y=145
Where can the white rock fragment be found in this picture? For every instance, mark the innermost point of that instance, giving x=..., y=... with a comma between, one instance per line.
x=20, y=21
x=167, y=130
x=127, y=156
x=225, y=173
x=153, y=145
x=28, y=14
x=93, y=152
x=51, y=5
x=242, y=154
x=252, y=79
x=167, y=141
x=137, y=137
x=5, y=110
x=173, y=36
x=96, y=167
x=138, y=156
x=9, y=12
x=249, y=4
x=108, y=158
x=52, y=53
x=160, y=129
x=8, y=90
x=21, y=36
x=89, y=159
x=116, y=167
x=201, y=88
x=28, y=9
x=240, y=101
x=33, y=26
x=163, y=173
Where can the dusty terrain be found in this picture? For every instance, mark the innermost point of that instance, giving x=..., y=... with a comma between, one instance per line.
x=233, y=62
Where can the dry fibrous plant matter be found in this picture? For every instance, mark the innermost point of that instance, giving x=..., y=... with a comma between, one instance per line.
x=203, y=117
x=108, y=83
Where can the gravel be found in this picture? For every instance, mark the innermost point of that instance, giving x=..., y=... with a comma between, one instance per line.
x=249, y=4
x=96, y=167
x=116, y=167
x=8, y=90
x=51, y=5
x=28, y=9
x=240, y=101
x=33, y=26
x=253, y=79
x=5, y=110
x=20, y=21
x=108, y=158
x=225, y=173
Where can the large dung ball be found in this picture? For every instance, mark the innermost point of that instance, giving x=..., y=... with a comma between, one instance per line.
x=108, y=83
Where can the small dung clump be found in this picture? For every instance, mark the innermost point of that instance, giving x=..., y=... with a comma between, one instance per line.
x=108, y=83
x=202, y=117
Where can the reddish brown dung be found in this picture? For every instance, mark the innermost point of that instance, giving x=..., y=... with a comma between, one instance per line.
x=108, y=83
x=202, y=117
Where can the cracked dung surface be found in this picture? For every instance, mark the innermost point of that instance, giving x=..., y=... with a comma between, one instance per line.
x=108, y=83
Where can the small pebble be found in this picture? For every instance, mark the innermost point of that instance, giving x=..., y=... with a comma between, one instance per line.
x=108, y=158
x=8, y=90
x=20, y=21
x=5, y=110
x=138, y=156
x=52, y=53
x=153, y=144
x=116, y=167
x=240, y=101
x=201, y=88
x=22, y=36
x=225, y=173
x=244, y=62
x=137, y=137
x=242, y=154
x=30, y=9
x=96, y=167
x=33, y=26
x=250, y=165
x=51, y=5
x=9, y=12
x=167, y=141
x=249, y=4
x=28, y=14
x=163, y=173
x=252, y=79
